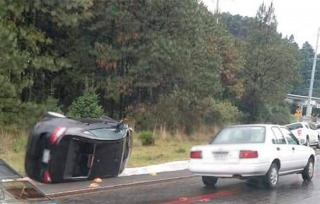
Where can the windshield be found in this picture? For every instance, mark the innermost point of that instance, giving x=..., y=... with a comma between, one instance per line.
x=294, y=126
x=240, y=135
x=108, y=133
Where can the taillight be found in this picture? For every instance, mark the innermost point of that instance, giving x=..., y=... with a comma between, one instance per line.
x=57, y=132
x=46, y=177
x=247, y=154
x=299, y=132
x=196, y=155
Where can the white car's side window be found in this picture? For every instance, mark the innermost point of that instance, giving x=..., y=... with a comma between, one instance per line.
x=278, y=135
x=289, y=137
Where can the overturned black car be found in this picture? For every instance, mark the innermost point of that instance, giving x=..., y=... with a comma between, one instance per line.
x=62, y=149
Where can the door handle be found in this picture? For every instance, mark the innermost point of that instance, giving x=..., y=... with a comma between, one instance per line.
x=278, y=148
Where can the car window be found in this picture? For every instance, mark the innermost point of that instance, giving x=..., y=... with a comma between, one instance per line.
x=291, y=139
x=312, y=126
x=240, y=135
x=278, y=135
x=294, y=126
x=106, y=133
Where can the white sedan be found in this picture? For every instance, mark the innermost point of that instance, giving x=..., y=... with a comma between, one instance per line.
x=252, y=151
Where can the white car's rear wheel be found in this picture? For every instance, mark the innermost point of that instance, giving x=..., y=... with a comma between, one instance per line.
x=270, y=180
x=308, y=171
x=209, y=181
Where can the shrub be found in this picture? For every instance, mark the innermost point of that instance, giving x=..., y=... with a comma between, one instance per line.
x=86, y=106
x=276, y=114
x=147, y=138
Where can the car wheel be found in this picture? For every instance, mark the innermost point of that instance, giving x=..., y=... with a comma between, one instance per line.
x=270, y=180
x=209, y=181
x=308, y=142
x=308, y=171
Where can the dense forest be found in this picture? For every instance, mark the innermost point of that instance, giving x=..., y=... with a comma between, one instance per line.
x=156, y=62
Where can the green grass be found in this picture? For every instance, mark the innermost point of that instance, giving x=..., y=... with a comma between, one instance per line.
x=12, y=149
x=161, y=152
x=167, y=148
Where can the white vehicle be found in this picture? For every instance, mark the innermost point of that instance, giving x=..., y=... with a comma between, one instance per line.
x=306, y=131
x=252, y=151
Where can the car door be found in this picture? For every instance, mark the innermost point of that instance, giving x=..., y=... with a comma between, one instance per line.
x=297, y=151
x=314, y=133
x=311, y=132
x=283, y=150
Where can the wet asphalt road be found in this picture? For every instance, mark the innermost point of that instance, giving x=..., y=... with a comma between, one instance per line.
x=291, y=189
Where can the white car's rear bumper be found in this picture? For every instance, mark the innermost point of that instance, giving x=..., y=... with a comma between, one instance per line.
x=228, y=170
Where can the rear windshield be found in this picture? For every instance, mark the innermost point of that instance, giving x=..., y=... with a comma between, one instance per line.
x=241, y=135
x=108, y=133
x=294, y=126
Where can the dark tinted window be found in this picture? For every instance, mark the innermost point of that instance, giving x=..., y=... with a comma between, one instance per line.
x=294, y=126
x=241, y=135
x=108, y=133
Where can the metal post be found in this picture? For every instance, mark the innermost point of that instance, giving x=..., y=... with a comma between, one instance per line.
x=309, y=108
x=217, y=10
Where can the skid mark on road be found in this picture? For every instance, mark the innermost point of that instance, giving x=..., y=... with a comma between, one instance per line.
x=203, y=198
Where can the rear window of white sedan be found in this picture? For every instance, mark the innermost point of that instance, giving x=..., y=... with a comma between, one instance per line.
x=241, y=135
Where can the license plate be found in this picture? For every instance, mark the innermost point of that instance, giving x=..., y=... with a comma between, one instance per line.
x=220, y=156
x=46, y=156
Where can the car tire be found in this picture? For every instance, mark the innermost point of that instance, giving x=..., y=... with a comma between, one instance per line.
x=209, y=181
x=270, y=180
x=308, y=142
x=308, y=171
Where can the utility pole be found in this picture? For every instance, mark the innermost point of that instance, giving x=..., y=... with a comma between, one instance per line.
x=217, y=7
x=217, y=10
x=309, y=108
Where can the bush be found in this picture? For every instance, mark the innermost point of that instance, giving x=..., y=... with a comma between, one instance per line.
x=276, y=114
x=147, y=138
x=86, y=106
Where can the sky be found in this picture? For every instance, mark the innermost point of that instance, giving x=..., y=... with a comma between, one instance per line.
x=298, y=17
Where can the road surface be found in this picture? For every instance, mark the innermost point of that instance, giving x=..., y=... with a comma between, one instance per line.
x=291, y=189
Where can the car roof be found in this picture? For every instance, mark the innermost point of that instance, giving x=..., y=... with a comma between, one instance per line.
x=254, y=125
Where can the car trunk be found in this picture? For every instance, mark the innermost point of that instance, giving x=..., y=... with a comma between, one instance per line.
x=226, y=153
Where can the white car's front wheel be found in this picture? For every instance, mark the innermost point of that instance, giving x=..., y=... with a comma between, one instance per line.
x=318, y=145
x=209, y=181
x=308, y=171
x=270, y=180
